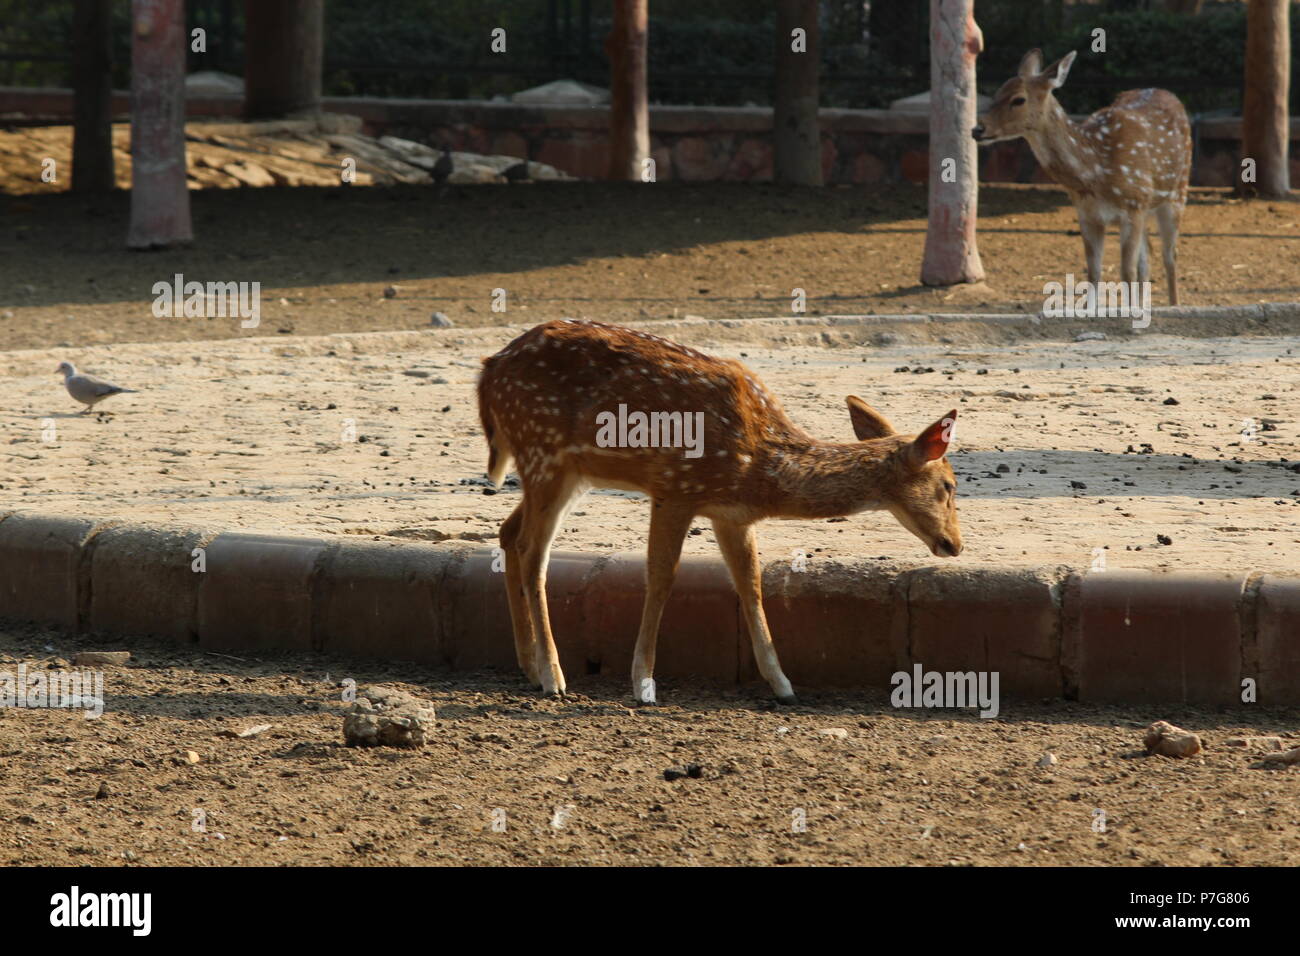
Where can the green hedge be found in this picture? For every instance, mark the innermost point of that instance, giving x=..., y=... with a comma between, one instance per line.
x=1201, y=58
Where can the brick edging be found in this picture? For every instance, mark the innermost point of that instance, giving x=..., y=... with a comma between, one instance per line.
x=1118, y=635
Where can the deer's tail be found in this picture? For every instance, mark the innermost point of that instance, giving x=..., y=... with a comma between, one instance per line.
x=500, y=456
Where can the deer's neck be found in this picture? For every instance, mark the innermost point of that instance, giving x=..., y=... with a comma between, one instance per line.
x=1066, y=152
x=814, y=479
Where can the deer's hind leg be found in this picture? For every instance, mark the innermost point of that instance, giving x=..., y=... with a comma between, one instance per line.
x=520, y=620
x=546, y=501
x=1168, y=218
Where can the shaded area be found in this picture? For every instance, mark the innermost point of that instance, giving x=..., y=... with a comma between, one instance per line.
x=617, y=252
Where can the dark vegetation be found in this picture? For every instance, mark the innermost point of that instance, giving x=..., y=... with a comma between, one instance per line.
x=701, y=51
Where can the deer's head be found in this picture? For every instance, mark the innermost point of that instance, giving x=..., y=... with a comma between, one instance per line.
x=921, y=491
x=1023, y=101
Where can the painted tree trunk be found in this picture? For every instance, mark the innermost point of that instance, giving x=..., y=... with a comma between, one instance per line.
x=284, y=51
x=1265, y=125
x=951, y=252
x=160, y=201
x=629, y=107
x=92, y=104
x=796, y=133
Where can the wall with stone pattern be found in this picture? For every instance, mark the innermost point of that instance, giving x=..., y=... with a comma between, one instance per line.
x=689, y=143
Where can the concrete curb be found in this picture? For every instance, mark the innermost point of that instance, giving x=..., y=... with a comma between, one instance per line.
x=1129, y=636
x=1263, y=312
x=1275, y=318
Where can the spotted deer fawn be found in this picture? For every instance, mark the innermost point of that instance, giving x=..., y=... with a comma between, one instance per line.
x=1122, y=163
x=549, y=401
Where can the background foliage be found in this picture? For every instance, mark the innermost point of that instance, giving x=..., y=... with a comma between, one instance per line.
x=701, y=51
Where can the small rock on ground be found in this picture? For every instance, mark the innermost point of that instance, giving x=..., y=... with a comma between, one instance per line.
x=1167, y=740
x=385, y=717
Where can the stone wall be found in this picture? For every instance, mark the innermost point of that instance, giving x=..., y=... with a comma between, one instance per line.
x=693, y=144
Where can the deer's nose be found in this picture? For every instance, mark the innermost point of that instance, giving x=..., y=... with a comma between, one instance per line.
x=977, y=132
x=944, y=548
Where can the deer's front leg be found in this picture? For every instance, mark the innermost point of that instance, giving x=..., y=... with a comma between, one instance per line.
x=737, y=544
x=1094, y=243
x=1132, y=240
x=669, y=522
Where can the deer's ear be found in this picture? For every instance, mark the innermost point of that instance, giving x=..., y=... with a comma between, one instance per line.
x=867, y=422
x=1058, y=71
x=933, y=442
x=1031, y=64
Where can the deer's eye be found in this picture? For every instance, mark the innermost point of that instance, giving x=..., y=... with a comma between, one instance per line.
x=1018, y=101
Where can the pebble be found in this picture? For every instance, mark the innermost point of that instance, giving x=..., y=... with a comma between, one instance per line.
x=1167, y=740
x=1269, y=743
x=1288, y=759
x=111, y=658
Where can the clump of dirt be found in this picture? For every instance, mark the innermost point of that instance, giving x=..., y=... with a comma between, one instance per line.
x=387, y=717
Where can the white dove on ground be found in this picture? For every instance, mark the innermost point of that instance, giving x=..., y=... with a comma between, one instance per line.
x=87, y=389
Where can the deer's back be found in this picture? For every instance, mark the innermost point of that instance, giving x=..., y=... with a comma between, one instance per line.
x=549, y=392
x=1145, y=142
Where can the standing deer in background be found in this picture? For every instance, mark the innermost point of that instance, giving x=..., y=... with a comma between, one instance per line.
x=548, y=401
x=1121, y=163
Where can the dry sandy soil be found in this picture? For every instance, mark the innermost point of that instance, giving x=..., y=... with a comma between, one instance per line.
x=255, y=435
x=582, y=781
x=252, y=432
x=602, y=251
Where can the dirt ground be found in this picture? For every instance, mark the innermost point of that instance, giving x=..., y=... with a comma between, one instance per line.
x=378, y=435
x=312, y=425
x=589, y=250
x=582, y=781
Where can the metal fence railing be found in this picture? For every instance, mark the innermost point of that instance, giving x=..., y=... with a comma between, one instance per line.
x=701, y=51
